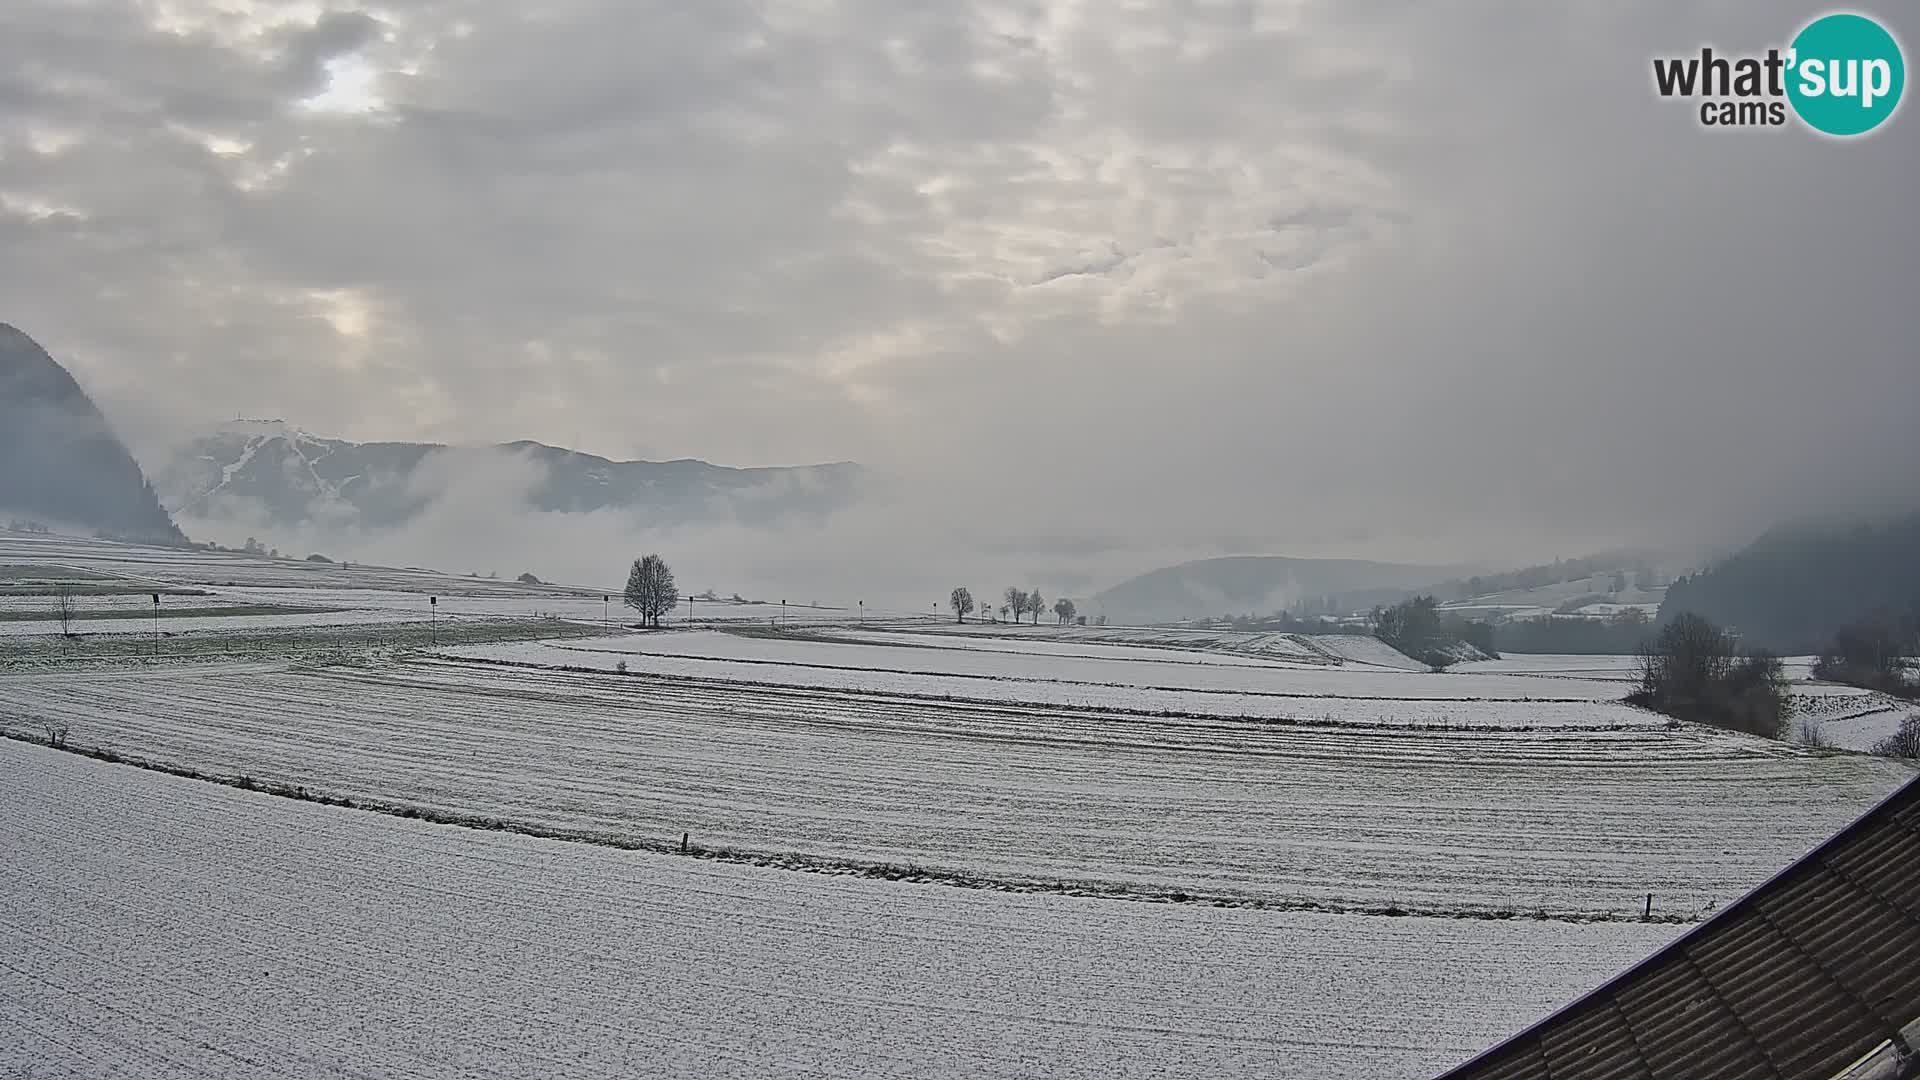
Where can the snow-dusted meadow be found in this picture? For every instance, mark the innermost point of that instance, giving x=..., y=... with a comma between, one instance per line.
x=792, y=656
x=164, y=928
x=1360, y=697
x=1580, y=823
x=1183, y=852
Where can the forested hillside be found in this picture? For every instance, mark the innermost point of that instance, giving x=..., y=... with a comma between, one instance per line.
x=1796, y=586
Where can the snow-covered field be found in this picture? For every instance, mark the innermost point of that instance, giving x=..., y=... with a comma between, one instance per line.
x=1580, y=823
x=163, y=928
x=1316, y=789
x=186, y=624
x=368, y=594
x=1368, y=701
x=1848, y=717
x=1047, y=643
x=792, y=656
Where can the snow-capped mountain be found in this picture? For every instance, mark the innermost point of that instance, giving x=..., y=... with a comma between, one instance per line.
x=271, y=472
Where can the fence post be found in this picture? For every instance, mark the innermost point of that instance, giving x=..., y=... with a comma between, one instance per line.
x=1648, y=917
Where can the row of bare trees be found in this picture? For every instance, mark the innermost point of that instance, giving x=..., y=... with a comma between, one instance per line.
x=651, y=592
x=1018, y=602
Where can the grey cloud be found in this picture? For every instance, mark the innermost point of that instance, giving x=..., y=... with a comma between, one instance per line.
x=1166, y=278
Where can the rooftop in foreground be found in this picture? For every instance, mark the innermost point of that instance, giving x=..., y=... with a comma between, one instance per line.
x=1814, y=974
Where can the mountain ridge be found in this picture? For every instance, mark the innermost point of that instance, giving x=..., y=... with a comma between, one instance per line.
x=61, y=462
x=274, y=473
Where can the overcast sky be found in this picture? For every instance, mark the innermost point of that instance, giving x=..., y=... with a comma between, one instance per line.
x=1431, y=282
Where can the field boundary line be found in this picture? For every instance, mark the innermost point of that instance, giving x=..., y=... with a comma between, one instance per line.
x=832, y=866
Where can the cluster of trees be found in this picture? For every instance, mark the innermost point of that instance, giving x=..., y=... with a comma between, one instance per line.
x=1417, y=628
x=1876, y=653
x=1693, y=670
x=1018, y=602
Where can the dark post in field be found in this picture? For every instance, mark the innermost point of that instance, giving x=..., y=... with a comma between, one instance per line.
x=683, y=843
x=433, y=620
x=156, y=624
x=1648, y=917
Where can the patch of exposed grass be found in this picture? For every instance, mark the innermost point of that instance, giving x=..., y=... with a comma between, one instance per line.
x=81, y=614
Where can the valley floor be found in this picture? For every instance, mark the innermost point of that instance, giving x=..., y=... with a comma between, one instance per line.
x=1183, y=854
x=159, y=927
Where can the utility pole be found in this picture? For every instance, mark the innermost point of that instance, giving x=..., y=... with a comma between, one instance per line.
x=156, y=624
x=433, y=620
x=863, y=613
x=606, y=613
x=783, y=615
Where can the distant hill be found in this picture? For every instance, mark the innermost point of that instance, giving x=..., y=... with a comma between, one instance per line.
x=1259, y=584
x=275, y=474
x=60, y=462
x=1792, y=588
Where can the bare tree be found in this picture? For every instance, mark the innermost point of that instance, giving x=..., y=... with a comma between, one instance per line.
x=1016, y=603
x=1904, y=742
x=56, y=733
x=962, y=603
x=1063, y=610
x=1003, y=611
x=650, y=589
x=1036, y=605
x=63, y=609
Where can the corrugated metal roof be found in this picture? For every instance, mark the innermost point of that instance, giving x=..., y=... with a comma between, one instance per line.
x=1803, y=977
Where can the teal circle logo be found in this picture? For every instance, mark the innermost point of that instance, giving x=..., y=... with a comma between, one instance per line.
x=1845, y=74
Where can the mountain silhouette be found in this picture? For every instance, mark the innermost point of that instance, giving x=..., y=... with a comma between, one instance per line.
x=60, y=462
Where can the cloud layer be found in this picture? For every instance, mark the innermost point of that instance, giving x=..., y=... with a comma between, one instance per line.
x=1164, y=276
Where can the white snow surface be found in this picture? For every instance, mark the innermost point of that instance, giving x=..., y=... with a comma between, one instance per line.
x=1036, y=645
x=176, y=930
x=1167, y=669
x=1580, y=823
x=1849, y=717
x=1368, y=701
x=1364, y=649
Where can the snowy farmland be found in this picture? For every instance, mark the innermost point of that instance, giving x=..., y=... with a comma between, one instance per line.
x=1578, y=823
x=1370, y=700
x=167, y=928
x=1132, y=669
x=1069, y=851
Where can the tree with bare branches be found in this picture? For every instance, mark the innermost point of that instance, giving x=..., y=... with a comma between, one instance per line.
x=962, y=603
x=63, y=609
x=651, y=590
